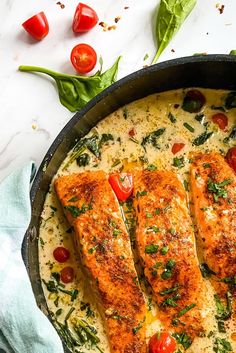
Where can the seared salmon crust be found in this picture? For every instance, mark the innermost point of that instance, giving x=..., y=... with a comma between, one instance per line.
x=104, y=245
x=166, y=244
x=213, y=185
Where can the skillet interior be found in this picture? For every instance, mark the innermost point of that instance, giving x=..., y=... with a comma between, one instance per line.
x=213, y=71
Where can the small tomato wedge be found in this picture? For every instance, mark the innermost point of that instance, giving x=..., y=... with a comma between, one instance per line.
x=221, y=120
x=67, y=274
x=83, y=57
x=162, y=343
x=177, y=147
x=37, y=26
x=231, y=158
x=61, y=254
x=85, y=18
x=122, y=185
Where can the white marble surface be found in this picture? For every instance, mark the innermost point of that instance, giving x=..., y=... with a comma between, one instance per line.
x=30, y=113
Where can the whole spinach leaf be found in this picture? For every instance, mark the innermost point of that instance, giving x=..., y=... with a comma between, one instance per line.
x=76, y=91
x=171, y=15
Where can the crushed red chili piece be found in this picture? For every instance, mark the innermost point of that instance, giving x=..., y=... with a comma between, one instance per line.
x=117, y=19
x=62, y=6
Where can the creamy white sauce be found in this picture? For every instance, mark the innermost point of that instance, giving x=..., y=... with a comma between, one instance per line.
x=124, y=153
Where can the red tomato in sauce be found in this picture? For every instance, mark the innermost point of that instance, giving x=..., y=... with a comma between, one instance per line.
x=84, y=58
x=61, y=254
x=122, y=185
x=67, y=274
x=85, y=18
x=221, y=120
x=162, y=343
x=231, y=158
x=177, y=147
x=37, y=26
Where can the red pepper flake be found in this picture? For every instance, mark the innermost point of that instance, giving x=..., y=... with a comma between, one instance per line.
x=132, y=132
x=220, y=8
x=102, y=24
x=173, y=51
x=117, y=19
x=62, y=6
x=111, y=28
x=126, y=7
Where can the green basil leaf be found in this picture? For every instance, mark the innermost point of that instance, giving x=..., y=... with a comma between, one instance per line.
x=76, y=91
x=171, y=15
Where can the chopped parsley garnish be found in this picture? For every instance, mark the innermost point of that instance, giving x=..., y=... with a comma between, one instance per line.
x=138, y=327
x=149, y=215
x=217, y=189
x=116, y=232
x=200, y=118
x=74, y=199
x=167, y=273
x=186, y=185
x=154, y=229
x=223, y=313
x=206, y=165
x=189, y=127
x=172, y=117
x=178, y=162
x=221, y=345
x=151, y=249
x=185, y=310
x=206, y=271
x=201, y=139
x=141, y=193
x=183, y=339
x=91, y=250
x=158, y=211
x=172, y=231
x=76, y=211
x=151, y=167
x=169, y=290
x=152, y=138
x=164, y=250
x=169, y=302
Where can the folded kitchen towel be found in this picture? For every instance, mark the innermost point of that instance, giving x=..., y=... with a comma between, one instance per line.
x=23, y=327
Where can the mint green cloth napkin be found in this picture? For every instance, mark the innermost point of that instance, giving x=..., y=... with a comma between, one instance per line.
x=23, y=327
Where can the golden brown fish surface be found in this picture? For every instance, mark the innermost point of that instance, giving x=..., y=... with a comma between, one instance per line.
x=213, y=185
x=92, y=208
x=166, y=244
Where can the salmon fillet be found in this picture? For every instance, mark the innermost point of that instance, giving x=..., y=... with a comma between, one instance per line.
x=93, y=210
x=213, y=185
x=166, y=245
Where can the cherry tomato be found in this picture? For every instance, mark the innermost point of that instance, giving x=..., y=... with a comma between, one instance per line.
x=83, y=58
x=193, y=101
x=177, y=147
x=122, y=185
x=85, y=18
x=67, y=274
x=231, y=158
x=61, y=254
x=37, y=26
x=162, y=343
x=221, y=120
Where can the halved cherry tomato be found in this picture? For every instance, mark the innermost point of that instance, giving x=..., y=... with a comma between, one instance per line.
x=221, y=120
x=83, y=57
x=231, y=158
x=85, y=18
x=177, y=147
x=122, y=185
x=37, y=26
x=61, y=254
x=162, y=343
x=67, y=274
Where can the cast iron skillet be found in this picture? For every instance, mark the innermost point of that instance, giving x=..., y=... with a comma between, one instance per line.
x=212, y=71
